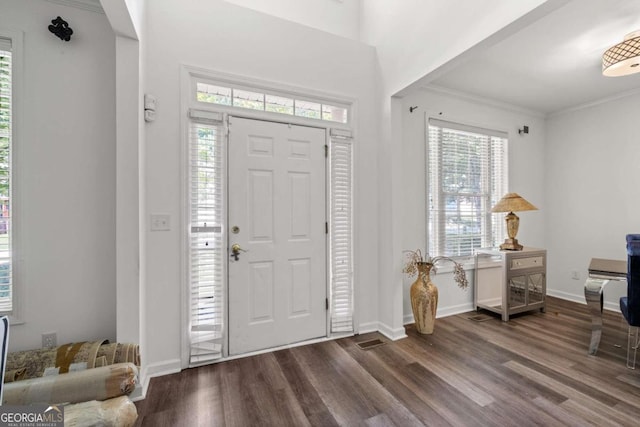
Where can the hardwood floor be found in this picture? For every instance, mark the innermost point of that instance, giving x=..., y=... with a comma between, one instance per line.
x=533, y=370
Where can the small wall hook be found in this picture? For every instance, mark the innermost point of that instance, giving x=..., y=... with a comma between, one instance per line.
x=524, y=130
x=60, y=28
x=412, y=109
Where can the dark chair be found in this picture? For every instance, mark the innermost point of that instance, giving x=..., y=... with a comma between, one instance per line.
x=630, y=305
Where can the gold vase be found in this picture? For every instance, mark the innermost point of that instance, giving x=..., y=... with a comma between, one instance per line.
x=424, y=299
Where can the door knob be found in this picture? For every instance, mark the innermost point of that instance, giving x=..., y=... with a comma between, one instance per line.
x=235, y=251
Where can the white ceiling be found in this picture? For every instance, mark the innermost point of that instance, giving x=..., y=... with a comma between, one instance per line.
x=555, y=63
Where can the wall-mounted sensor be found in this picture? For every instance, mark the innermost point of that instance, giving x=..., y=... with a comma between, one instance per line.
x=150, y=102
x=149, y=108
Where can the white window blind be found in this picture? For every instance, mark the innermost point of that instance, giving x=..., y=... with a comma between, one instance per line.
x=341, y=219
x=6, y=265
x=466, y=176
x=206, y=260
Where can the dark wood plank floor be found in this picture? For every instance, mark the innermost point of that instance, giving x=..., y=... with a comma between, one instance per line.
x=533, y=370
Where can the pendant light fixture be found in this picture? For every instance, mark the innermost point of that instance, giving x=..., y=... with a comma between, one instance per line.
x=623, y=58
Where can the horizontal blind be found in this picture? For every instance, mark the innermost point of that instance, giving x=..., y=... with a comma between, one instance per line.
x=466, y=174
x=341, y=219
x=6, y=267
x=206, y=272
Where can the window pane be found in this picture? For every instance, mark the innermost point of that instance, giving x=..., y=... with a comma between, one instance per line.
x=213, y=94
x=6, y=279
x=279, y=104
x=247, y=99
x=466, y=176
x=258, y=100
x=307, y=109
x=334, y=114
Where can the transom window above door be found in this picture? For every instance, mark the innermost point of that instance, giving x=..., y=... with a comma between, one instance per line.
x=279, y=103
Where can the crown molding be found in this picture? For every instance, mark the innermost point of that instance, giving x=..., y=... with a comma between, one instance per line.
x=481, y=100
x=90, y=5
x=595, y=103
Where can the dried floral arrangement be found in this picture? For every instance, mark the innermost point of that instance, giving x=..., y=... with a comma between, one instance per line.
x=415, y=257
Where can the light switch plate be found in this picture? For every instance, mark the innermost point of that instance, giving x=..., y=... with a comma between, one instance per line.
x=160, y=222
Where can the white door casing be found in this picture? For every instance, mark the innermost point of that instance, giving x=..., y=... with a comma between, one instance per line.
x=277, y=201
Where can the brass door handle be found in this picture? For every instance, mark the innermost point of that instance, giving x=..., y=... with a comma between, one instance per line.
x=235, y=251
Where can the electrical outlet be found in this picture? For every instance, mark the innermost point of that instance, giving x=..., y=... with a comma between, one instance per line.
x=575, y=275
x=49, y=340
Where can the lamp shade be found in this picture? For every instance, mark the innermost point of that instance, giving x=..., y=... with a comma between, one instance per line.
x=623, y=58
x=513, y=202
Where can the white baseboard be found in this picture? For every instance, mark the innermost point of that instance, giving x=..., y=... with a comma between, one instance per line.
x=608, y=305
x=392, y=334
x=454, y=309
x=365, y=328
x=567, y=296
x=443, y=312
x=157, y=369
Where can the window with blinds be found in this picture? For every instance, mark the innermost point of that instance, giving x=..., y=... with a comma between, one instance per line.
x=466, y=176
x=6, y=264
x=341, y=219
x=206, y=245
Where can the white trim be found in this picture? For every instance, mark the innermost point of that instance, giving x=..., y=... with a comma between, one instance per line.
x=157, y=369
x=591, y=104
x=17, y=127
x=454, y=310
x=185, y=291
x=580, y=299
x=464, y=96
x=188, y=75
x=90, y=5
x=368, y=327
x=444, y=312
x=206, y=115
x=341, y=133
x=252, y=83
x=392, y=334
x=567, y=296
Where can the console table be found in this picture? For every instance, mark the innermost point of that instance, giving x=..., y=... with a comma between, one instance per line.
x=514, y=282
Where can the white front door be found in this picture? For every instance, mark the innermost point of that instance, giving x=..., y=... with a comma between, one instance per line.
x=277, y=285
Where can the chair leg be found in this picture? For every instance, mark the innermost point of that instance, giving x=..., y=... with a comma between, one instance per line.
x=633, y=341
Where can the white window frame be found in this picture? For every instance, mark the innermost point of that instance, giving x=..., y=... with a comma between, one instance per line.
x=336, y=131
x=17, y=100
x=492, y=229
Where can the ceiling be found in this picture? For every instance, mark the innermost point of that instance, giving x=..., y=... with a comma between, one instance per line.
x=553, y=64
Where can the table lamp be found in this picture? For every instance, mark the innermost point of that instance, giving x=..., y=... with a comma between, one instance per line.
x=512, y=202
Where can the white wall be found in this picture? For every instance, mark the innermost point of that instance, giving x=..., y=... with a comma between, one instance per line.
x=339, y=17
x=416, y=40
x=252, y=44
x=66, y=175
x=526, y=176
x=592, y=165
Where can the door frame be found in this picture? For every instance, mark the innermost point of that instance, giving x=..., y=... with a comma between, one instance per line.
x=189, y=75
